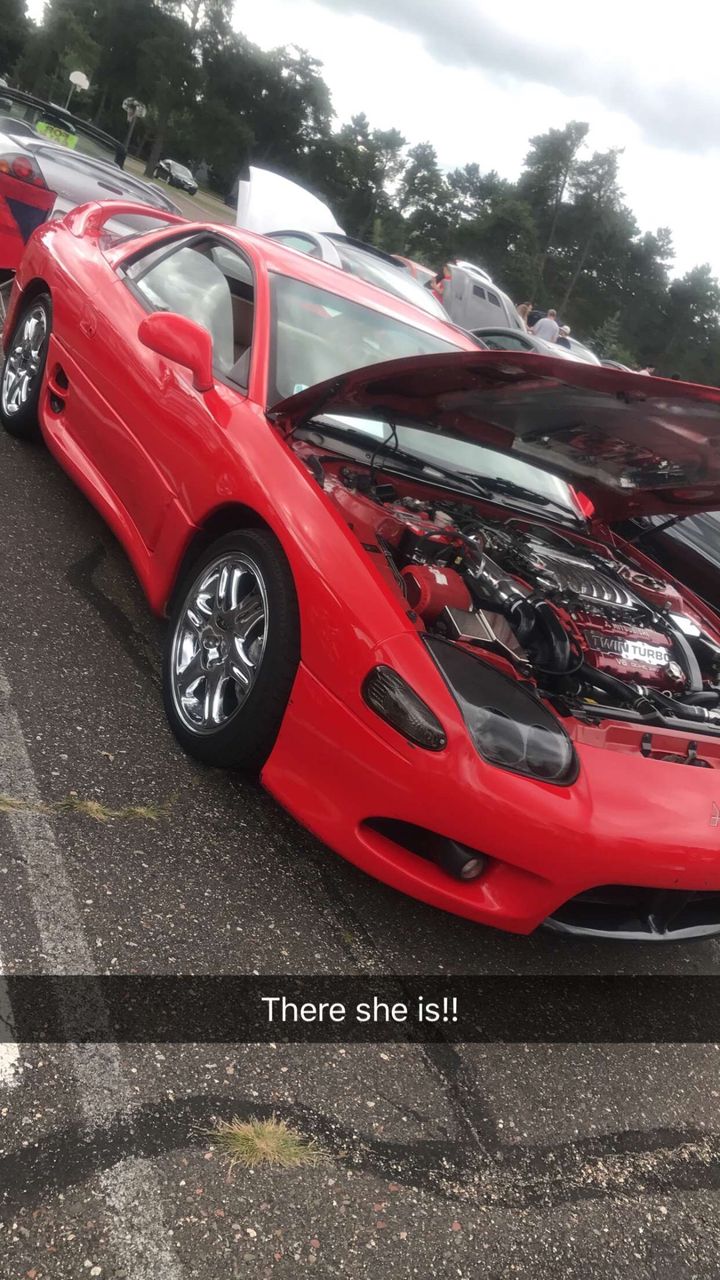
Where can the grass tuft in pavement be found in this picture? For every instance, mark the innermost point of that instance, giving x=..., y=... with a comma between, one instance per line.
x=8, y=804
x=88, y=808
x=264, y=1142
x=100, y=812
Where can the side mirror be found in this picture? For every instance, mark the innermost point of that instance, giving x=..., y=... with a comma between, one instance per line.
x=182, y=341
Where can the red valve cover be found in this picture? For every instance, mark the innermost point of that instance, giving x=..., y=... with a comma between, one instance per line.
x=629, y=652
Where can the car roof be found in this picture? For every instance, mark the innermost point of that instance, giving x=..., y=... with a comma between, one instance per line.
x=503, y=328
x=285, y=261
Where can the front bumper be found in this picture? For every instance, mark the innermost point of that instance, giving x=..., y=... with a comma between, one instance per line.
x=627, y=821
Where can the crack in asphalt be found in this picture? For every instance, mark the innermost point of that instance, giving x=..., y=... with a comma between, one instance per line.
x=81, y=576
x=632, y=1162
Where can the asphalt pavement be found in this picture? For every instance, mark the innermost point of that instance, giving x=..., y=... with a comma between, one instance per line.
x=203, y=206
x=442, y=1160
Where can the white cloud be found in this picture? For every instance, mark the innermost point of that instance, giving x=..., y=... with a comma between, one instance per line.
x=572, y=63
x=673, y=106
x=479, y=79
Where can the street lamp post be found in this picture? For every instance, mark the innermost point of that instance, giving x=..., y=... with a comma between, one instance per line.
x=135, y=111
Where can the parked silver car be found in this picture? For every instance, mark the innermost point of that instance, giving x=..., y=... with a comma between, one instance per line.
x=582, y=352
x=41, y=180
x=501, y=339
x=364, y=261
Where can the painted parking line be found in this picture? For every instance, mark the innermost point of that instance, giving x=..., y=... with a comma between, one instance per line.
x=9, y=1050
x=138, y=1235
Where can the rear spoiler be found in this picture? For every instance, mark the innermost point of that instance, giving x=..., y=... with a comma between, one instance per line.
x=89, y=219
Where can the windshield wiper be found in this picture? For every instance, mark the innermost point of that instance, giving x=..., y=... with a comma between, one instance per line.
x=513, y=490
x=374, y=447
x=487, y=487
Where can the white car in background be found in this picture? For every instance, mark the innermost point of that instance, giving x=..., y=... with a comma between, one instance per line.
x=473, y=300
x=500, y=339
x=285, y=211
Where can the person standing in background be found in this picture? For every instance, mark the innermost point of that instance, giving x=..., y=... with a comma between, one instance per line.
x=524, y=311
x=438, y=283
x=562, y=339
x=547, y=328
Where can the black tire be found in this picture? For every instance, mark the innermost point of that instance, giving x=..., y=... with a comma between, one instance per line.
x=22, y=421
x=246, y=738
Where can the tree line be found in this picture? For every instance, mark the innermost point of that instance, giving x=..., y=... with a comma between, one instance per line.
x=560, y=235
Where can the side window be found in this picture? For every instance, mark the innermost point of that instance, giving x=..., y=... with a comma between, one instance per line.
x=478, y=292
x=492, y=297
x=212, y=284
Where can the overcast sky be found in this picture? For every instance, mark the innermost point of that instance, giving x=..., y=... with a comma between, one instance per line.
x=477, y=78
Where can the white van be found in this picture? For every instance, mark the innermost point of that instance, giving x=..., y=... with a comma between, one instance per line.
x=473, y=301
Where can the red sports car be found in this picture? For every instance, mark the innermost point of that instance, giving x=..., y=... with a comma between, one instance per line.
x=394, y=589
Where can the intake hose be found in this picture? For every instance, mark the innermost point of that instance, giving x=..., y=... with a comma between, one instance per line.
x=708, y=698
x=684, y=711
x=689, y=712
x=611, y=684
x=548, y=640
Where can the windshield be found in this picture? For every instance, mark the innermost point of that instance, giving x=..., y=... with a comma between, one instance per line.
x=392, y=279
x=464, y=457
x=180, y=171
x=317, y=335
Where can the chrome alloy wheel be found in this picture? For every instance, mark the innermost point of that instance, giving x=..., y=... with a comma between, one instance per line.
x=24, y=361
x=219, y=643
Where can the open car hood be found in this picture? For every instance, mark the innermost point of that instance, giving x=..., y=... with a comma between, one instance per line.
x=635, y=445
x=268, y=202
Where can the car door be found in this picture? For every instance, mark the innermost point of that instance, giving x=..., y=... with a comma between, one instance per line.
x=150, y=427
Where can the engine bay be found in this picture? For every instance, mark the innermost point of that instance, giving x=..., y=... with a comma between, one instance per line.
x=584, y=622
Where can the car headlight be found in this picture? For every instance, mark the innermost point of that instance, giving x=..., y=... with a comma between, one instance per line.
x=509, y=727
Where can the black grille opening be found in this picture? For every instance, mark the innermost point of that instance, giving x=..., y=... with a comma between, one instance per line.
x=636, y=913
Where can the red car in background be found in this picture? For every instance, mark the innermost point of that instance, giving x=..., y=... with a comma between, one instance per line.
x=50, y=162
x=382, y=592
x=25, y=202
